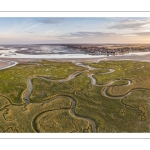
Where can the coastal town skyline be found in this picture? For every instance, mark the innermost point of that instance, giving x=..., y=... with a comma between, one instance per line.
x=96, y=30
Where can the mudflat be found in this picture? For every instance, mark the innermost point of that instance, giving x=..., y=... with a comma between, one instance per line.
x=3, y=64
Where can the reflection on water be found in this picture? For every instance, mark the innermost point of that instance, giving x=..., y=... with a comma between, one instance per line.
x=61, y=51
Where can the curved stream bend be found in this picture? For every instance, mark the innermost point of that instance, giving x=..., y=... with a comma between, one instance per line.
x=94, y=82
x=72, y=111
x=29, y=90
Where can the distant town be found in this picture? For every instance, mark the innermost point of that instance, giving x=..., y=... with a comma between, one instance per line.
x=110, y=49
x=63, y=49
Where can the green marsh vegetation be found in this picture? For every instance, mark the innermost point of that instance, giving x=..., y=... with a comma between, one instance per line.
x=50, y=104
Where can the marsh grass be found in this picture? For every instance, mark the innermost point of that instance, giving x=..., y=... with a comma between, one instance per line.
x=49, y=112
x=14, y=80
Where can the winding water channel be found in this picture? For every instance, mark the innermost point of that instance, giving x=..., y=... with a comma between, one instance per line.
x=27, y=93
x=104, y=93
x=29, y=90
x=72, y=111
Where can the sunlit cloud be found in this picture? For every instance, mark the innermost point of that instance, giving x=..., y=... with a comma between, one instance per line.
x=50, y=20
x=129, y=35
x=132, y=24
x=89, y=34
x=33, y=26
x=74, y=30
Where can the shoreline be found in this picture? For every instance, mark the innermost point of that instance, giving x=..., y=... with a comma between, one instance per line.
x=7, y=62
x=4, y=64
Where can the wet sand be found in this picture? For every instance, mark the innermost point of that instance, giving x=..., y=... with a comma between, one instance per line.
x=132, y=56
x=3, y=64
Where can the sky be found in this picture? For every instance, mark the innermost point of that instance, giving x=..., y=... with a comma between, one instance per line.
x=65, y=30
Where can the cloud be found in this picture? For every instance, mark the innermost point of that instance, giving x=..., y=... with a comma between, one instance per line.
x=131, y=24
x=51, y=20
x=84, y=35
x=32, y=26
x=90, y=20
x=91, y=34
x=140, y=34
x=101, y=36
x=30, y=32
x=130, y=35
x=143, y=34
x=79, y=26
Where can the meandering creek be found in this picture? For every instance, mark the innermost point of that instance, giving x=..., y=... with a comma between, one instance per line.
x=29, y=89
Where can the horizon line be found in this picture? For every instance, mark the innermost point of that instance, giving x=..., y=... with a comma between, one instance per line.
x=72, y=43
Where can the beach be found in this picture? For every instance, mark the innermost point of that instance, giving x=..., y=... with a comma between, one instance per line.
x=3, y=64
x=7, y=60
